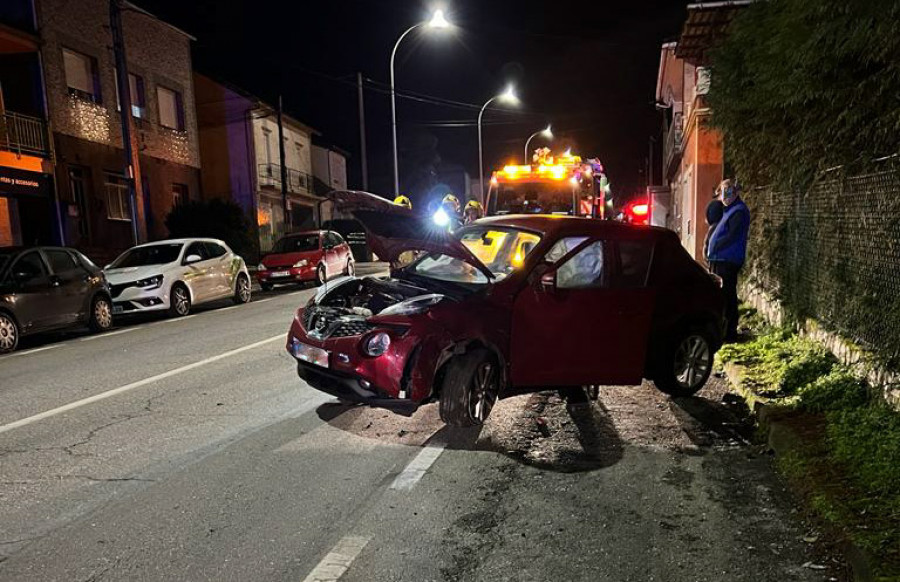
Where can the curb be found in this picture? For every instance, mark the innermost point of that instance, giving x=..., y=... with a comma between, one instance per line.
x=782, y=439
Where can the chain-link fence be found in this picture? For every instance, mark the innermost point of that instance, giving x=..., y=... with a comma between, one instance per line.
x=833, y=254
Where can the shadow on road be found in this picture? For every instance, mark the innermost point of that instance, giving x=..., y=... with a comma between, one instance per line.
x=707, y=422
x=554, y=431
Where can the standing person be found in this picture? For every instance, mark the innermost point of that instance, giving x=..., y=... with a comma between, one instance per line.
x=473, y=211
x=714, y=211
x=728, y=249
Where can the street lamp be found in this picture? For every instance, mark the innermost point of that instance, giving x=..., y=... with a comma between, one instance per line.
x=546, y=132
x=508, y=96
x=437, y=22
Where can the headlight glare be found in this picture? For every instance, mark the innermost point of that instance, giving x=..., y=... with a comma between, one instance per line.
x=260, y=267
x=300, y=263
x=377, y=344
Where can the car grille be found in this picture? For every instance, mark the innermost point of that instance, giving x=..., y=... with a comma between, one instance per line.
x=116, y=290
x=350, y=328
x=323, y=323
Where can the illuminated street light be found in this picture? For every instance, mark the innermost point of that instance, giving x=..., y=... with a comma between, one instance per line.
x=508, y=96
x=437, y=22
x=546, y=132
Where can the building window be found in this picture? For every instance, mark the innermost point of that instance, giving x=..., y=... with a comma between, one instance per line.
x=267, y=136
x=180, y=194
x=78, y=187
x=138, y=96
x=81, y=75
x=117, y=202
x=171, y=108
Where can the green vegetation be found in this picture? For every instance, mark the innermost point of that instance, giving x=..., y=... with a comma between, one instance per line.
x=847, y=464
x=221, y=219
x=804, y=83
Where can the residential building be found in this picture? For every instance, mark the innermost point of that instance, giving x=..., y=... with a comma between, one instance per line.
x=28, y=212
x=83, y=101
x=241, y=160
x=693, y=153
x=329, y=164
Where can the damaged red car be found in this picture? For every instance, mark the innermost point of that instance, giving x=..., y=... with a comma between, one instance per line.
x=507, y=305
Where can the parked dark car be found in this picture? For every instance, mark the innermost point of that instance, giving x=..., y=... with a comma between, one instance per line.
x=508, y=305
x=315, y=255
x=48, y=288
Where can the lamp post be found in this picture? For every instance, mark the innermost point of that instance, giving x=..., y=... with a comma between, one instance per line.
x=508, y=96
x=546, y=132
x=437, y=22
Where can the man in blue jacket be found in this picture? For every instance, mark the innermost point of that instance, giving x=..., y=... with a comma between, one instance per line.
x=728, y=249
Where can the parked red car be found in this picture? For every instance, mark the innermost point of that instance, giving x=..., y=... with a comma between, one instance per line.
x=507, y=305
x=315, y=255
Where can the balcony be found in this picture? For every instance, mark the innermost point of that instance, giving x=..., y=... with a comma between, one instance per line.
x=673, y=145
x=23, y=134
x=297, y=182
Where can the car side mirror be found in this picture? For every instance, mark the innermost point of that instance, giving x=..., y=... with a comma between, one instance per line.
x=548, y=281
x=191, y=259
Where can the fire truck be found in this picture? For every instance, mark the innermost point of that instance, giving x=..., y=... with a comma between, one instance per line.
x=565, y=185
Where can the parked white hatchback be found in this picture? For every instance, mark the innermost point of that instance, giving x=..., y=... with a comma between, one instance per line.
x=176, y=274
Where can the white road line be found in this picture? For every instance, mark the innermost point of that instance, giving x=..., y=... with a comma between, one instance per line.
x=107, y=334
x=226, y=308
x=133, y=385
x=417, y=467
x=338, y=560
x=34, y=351
x=262, y=300
x=173, y=319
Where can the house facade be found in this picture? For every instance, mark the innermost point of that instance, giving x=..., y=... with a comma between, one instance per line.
x=693, y=162
x=242, y=160
x=83, y=104
x=28, y=210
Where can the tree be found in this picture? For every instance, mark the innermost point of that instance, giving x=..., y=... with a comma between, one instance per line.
x=803, y=85
x=216, y=218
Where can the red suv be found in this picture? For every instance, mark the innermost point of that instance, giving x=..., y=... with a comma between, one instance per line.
x=507, y=305
x=315, y=255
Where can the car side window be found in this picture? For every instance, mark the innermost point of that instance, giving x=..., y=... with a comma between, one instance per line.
x=563, y=246
x=61, y=262
x=214, y=250
x=196, y=248
x=584, y=270
x=634, y=263
x=29, y=267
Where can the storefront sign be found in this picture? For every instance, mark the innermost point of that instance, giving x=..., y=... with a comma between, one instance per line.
x=14, y=182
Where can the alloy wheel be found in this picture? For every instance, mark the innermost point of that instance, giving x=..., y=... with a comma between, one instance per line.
x=9, y=334
x=484, y=393
x=182, y=303
x=692, y=361
x=244, y=289
x=102, y=314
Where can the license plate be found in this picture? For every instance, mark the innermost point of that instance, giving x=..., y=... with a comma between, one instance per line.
x=310, y=354
x=117, y=309
x=280, y=274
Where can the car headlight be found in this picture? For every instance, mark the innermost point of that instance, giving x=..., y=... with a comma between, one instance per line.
x=412, y=306
x=154, y=282
x=377, y=344
x=260, y=267
x=301, y=263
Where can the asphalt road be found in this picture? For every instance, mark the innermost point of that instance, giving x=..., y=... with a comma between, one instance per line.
x=188, y=449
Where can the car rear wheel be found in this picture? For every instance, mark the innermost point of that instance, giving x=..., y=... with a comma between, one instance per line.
x=321, y=275
x=9, y=333
x=686, y=363
x=179, y=301
x=242, y=290
x=470, y=388
x=101, y=314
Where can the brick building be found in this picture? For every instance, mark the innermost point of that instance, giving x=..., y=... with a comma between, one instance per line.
x=82, y=98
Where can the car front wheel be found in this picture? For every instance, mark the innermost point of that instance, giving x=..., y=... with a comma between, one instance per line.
x=469, y=389
x=686, y=363
x=9, y=333
x=242, y=290
x=321, y=275
x=179, y=301
x=350, y=268
x=101, y=314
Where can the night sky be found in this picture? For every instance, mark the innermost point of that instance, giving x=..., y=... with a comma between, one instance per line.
x=589, y=72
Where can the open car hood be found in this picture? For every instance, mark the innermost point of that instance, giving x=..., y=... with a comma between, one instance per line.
x=393, y=229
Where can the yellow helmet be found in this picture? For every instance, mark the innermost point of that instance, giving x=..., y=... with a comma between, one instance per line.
x=451, y=199
x=403, y=201
x=474, y=205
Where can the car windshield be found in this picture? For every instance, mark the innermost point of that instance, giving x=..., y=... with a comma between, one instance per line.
x=501, y=250
x=297, y=244
x=535, y=198
x=148, y=255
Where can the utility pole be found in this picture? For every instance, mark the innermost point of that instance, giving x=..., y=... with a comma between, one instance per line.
x=362, y=132
x=129, y=143
x=284, y=172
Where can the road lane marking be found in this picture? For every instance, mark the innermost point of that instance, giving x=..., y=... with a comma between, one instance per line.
x=34, y=350
x=134, y=385
x=417, y=468
x=107, y=334
x=338, y=560
x=174, y=319
x=262, y=300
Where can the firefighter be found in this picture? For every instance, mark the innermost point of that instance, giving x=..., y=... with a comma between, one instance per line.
x=473, y=211
x=402, y=200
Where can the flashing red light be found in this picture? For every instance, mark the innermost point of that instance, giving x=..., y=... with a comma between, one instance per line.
x=640, y=209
